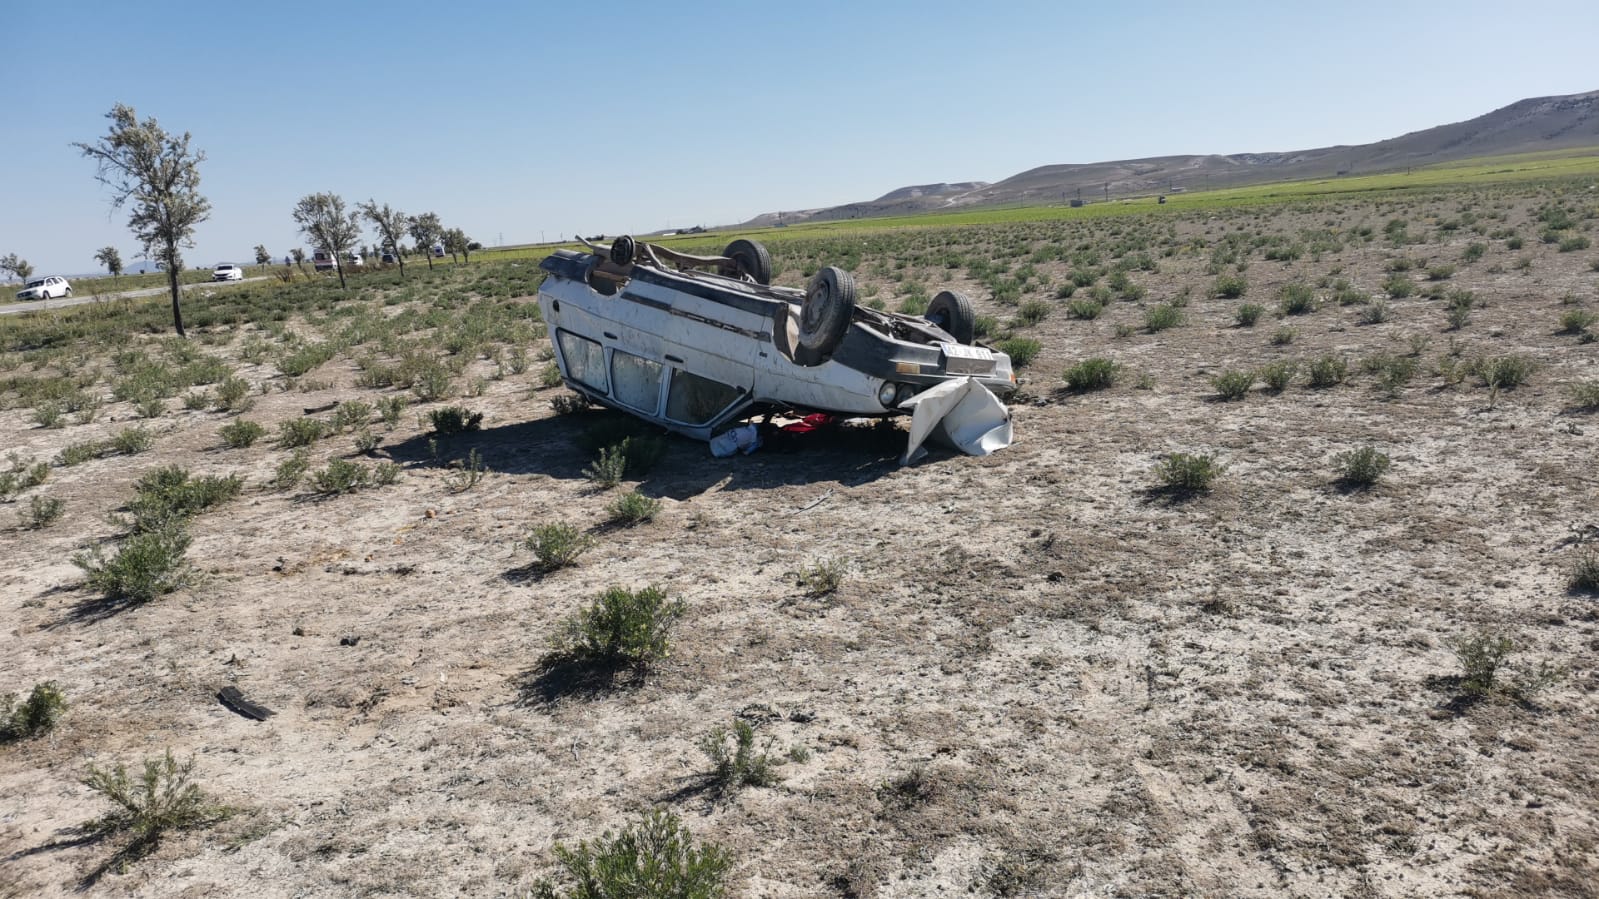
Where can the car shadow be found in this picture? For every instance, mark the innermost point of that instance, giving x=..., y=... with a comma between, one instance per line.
x=563, y=446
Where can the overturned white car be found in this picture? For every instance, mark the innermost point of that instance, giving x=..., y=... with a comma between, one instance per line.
x=698, y=343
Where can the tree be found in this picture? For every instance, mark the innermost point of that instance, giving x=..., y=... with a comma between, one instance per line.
x=161, y=175
x=322, y=218
x=456, y=241
x=16, y=265
x=111, y=259
x=426, y=231
x=262, y=257
x=299, y=259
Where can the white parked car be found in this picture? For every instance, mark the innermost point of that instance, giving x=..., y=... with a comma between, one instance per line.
x=697, y=344
x=227, y=271
x=45, y=288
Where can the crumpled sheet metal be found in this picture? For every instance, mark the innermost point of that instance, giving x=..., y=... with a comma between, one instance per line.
x=962, y=414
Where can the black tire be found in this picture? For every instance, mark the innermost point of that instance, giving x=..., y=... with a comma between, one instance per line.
x=952, y=311
x=751, y=260
x=68, y=293
x=825, y=317
x=622, y=250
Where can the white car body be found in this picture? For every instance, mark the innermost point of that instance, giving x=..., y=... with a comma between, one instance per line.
x=227, y=271
x=45, y=288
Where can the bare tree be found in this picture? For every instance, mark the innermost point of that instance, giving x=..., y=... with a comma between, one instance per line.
x=142, y=162
x=262, y=257
x=391, y=224
x=322, y=218
x=16, y=265
x=426, y=231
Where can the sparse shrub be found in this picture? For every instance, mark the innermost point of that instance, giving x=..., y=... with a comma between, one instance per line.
x=170, y=494
x=36, y=716
x=454, y=420
x=634, y=507
x=233, y=394
x=1393, y=372
x=1574, y=243
x=1458, y=317
x=42, y=512
x=1021, y=350
x=297, y=432
x=366, y=442
x=391, y=408
x=1032, y=312
x=1297, y=299
x=240, y=433
x=385, y=473
x=822, y=577
x=1248, y=314
x=340, y=476
x=1346, y=294
x=196, y=400
x=1185, y=473
x=1503, y=372
x=1233, y=385
x=657, y=857
x=1283, y=336
x=550, y=376
x=1361, y=467
x=1161, y=316
x=150, y=406
x=1278, y=375
x=351, y=414
x=131, y=441
x=1084, y=309
x=1474, y=252
x=1229, y=287
x=466, y=473
x=985, y=326
x=1328, y=371
x=741, y=764
x=432, y=382
x=146, y=565
x=1399, y=287
x=569, y=403
x=1481, y=656
x=1576, y=321
x=1375, y=313
x=1065, y=291
x=1514, y=243
x=1093, y=374
x=622, y=628
x=48, y=414
x=1440, y=272
x=556, y=546
x=165, y=797
x=1585, y=396
x=608, y=470
x=78, y=453
x=289, y=471
x=1585, y=572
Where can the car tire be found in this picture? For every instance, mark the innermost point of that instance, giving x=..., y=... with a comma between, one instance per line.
x=68, y=292
x=952, y=311
x=825, y=317
x=751, y=260
x=622, y=250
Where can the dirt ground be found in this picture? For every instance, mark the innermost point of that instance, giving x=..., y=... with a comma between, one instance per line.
x=1038, y=677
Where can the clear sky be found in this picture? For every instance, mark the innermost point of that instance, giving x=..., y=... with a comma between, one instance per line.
x=528, y=121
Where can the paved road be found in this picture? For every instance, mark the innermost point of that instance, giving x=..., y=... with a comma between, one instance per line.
x=64, y=302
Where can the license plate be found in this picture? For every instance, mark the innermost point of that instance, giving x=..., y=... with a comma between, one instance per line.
x=960, y=359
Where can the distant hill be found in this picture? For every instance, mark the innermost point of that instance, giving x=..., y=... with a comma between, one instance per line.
x=1542, y=123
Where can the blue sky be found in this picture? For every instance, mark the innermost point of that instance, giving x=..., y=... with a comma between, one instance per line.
x=520, y=122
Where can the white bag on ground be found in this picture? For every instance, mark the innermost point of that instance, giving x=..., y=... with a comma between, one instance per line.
x=962, y=414
x=746, y=439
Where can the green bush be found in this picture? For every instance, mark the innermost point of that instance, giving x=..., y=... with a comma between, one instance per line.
x=1283, y=336
x=169, y=493
x=1328, y=371
x=1032, y=312
x=622, y=627
x=288, y=473
x=454, y=420
x=822, y=577
x=1084, y=309
x=1233, y=385
x=1021, y=350
x=240, y=433
x=1399, y=287
x=634, y=507
x=1375, y=313
x=1440, y=272
x=657, y=857
x=1185, y=473
x=1162, y=316
x=131, y=441
x=36, y=715
x=351, y=414
x=1573, y=243
x=1248, y=314
x=557, y=545
x=1297, y=299
x=78, y=453
x=608, y=470
x=1092, y=374
x=1503, y=372
x=739, y=764
x=1481, y=657
x=1474, y=252
x=148, y=564
x=233, y=394
x=391, y=408
x=163, y=798
x=1585, y=395
x=1585, y=573
x=297, y=432
x=42, y=512
x=340, y=476
x=1278, y=375
x=1229, y=287
x=1361, y=467
x=1576, y=321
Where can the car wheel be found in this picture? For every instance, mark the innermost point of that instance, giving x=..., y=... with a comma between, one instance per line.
x=952, y=311
x=68, y=292
x=622, y=250
x=751, y=260
x=829, y=306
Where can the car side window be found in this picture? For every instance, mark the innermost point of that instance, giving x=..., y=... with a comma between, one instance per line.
x=694, y=400
x=585, y=360
x=637, y=381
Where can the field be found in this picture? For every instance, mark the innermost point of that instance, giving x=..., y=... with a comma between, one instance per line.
x=1283, y=594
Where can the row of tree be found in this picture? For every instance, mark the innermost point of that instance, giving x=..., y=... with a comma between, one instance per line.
x=160, y=174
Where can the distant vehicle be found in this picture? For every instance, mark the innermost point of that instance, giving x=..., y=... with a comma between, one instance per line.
x=45, y=288
x=697, y=344
x=227, y=271
x=438, y=251
x=354, y=259
x=388, y=258
x=323, y=261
